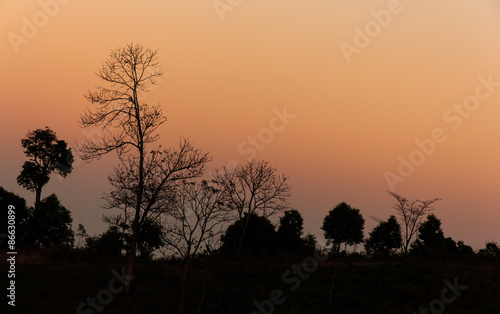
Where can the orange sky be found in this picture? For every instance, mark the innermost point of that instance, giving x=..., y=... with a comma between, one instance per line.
x=227, y=77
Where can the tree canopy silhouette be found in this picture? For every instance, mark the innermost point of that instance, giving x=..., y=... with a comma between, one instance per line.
x=46, y=154
x=290, y=230
x=432, y=242
x=344, y=224
x=23, y=215
x=261, y=236
x=384, y=239
x=51, y=224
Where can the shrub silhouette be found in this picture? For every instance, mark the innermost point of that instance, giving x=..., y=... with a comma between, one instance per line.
x=290, y=231
x=384, y=239
x=260, y=236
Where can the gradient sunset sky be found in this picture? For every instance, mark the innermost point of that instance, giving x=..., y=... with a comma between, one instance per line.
x=230, y=69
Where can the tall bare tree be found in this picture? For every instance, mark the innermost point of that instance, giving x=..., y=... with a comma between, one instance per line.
x=411, y=214
x=253, y=188
x=126, y=122
x=198, y=216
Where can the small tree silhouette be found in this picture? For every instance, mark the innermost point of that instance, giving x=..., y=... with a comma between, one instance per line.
x=47, y=154
x=344, y=224
x=432, y=242
x=384, y=238
x=290, y=230
x=51, y=224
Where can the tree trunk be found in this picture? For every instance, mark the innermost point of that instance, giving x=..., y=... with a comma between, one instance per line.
x=243, y=232
x=130, y=263
x=140, y=190
x=183, y=287
x=38, y=193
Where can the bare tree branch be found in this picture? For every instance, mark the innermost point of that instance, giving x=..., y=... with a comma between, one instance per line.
x=253, y=188
x=411, y=214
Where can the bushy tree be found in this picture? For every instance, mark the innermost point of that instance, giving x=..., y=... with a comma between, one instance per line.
x=432, y=242
x=491, y=250
x=150, y=239
x=308, y=244
x=344, y=224
x=119, y=228
x=23, y=214
x=290, y=230
x=48, y=227
x=110, y=242
x=384, y=239
x=46, y=154
x=51, y=224
x=464, y=250
x=261, y=236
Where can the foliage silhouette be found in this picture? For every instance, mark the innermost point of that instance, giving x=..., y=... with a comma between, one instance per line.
x=22, y=217
x=308, y=244
x=111, y=242
x=51, y=224
x=47, y=154
x=290, y=230
x=384, y=239
x=261, y=236
x=431, y=241
x=491, y=250
x=343, y=224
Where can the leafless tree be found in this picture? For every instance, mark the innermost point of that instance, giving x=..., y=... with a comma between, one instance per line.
x=411, y=214
x=163, y=170
x=253, y=188
x=197, y=217
x=127, y=125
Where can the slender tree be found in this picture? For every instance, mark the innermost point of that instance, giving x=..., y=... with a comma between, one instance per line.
x=46, y=155
x=411, y=214
x=253, y=188
x=127, y=123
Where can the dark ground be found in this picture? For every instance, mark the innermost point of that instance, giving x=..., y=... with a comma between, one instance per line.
x=58, y=282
